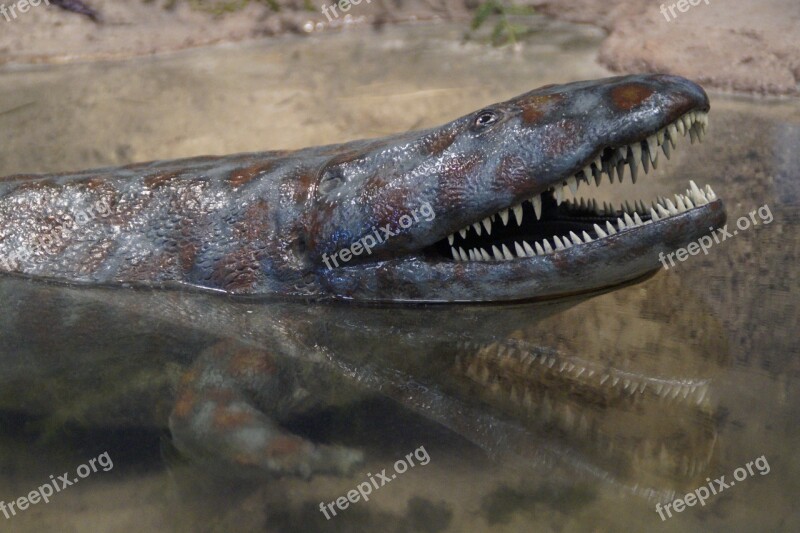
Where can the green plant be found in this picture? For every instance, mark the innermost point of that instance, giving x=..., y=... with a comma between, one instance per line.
x=505, y=30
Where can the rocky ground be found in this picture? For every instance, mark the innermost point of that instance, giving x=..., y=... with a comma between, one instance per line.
x=747, y=46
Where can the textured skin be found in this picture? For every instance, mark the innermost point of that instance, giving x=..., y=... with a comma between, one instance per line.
x=260, y=223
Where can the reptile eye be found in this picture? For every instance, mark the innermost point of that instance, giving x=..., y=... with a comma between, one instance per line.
x=486, y=118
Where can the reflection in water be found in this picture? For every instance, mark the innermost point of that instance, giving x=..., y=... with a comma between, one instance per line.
x=581, y=384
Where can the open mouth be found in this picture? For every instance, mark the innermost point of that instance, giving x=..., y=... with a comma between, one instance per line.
x=546, y=223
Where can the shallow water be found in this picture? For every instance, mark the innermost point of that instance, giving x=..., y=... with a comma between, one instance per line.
x=566, y=416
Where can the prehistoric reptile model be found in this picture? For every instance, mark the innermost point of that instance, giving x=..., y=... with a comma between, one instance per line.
x=262, y=223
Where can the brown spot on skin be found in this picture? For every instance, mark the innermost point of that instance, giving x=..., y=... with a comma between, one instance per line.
x=187, y=254
x=626, y=97
x=159, y=179
x=184, y=404
x=282, y=446
x=304, y=186
x=536, y=107
x=189, y=377
x=565, y=138
x=511, y=174
x=226, y=420
x=240, y=176
x=439, y=142
x=237, y=271
x=249, y=362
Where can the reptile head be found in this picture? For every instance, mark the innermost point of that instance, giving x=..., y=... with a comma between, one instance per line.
x=474, y=210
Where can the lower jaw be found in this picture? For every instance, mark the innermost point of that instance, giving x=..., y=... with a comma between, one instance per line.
x=611, y=261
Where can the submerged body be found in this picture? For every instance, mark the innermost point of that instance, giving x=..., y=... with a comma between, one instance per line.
x=343, y=221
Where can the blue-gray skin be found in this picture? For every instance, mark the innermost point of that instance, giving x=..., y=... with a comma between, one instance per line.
x=272, y=223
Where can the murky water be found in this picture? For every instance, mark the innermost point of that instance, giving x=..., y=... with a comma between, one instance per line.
x=565, y=416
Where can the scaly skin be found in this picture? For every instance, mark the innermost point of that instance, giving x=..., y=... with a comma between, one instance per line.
x=267, y=223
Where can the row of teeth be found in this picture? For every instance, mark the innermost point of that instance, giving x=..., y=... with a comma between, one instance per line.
x=662, y=208
x=577, y=420
x=643, y=153
x=626, y=382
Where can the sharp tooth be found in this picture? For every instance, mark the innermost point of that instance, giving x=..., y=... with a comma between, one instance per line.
x=696, y=192
x=455, y=254
x=539, y=249
x=620, y=169
x=472, y=255
x=652, y=147
x=572, y=183
x=636, y=148
x=612, y=171
x=660, y=136
x=497, y=253
x=537, y=205
x=587, y=172
x=637, y=219
x=528, y=250
x=654, y=215
x=504, y=216
x=640, y=207
x=463, y=254
x=633, y=163
x=575, y=238
x=628, y=207
x=595, y=207
x=559, y=244
x=557, y=192
x=710, y=193
x=701, y=134
x=688, y=202
x=477, y=227
x=484, y=255
x=451, y=238
x=628, y=220
x=692, y=135
x=463, y=233
x=507, y=253
x=609, y=209
x=487, y=225
x=672, y=209
x=661, y=211
x=547, y=247
x=598, y=162
x=599, y=231
x=666, y=149
x=610, y=228
x=620, y=224
x=518, y=214
x=520, y=251
x=598, y=176
x=673, y=133
x=586, y=237
x=681, y=204
x=687, y=123
x=622, y=153
x=680, y=126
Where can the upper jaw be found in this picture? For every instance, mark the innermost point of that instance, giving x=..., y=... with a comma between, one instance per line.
x=635, y=158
